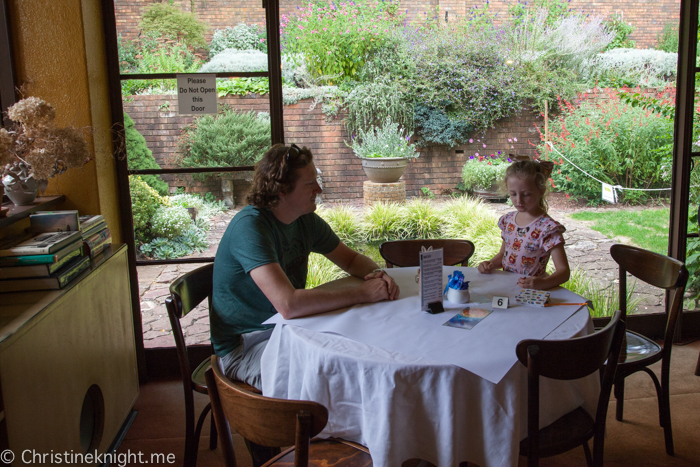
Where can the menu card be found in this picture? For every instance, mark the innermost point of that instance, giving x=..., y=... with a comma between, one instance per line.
x=430, y=277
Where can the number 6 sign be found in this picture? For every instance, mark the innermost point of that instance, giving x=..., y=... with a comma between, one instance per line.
x=500, y=302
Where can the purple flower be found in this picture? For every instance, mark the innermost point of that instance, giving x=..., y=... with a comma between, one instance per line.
x=471, y=157
x=499, y=153
x=509, y=160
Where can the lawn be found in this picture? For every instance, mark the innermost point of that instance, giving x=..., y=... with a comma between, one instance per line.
x=646, y=228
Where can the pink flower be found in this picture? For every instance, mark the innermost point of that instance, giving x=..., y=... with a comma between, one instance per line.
x=476, y=154
x=324, y=29
x=483, y=144
x=510, y=140
x=471, y=141
x=515, y=139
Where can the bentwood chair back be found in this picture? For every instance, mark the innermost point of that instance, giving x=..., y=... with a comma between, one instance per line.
x=405, y=253
x=186, y=292
x=276, y=423
x=639, y=351
x=567, y=360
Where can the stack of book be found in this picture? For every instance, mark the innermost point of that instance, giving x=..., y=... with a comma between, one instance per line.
x=96, y=235
x=46, y=262
x=61, y=249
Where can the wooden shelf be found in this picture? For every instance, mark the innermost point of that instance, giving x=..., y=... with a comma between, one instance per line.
x=17, y=213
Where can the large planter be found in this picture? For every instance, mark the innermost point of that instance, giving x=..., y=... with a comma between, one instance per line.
x=494, y=193
x=384, y=169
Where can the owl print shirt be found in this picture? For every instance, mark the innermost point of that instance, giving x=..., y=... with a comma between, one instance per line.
x=527, y=248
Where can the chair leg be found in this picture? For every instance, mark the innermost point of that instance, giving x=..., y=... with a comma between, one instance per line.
x=662, y=391
x=212, y=434
x=587, y=451
x=620, y=398
x=260, y=454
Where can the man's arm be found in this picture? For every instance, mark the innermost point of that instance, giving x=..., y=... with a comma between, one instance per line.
x=295, y=303
x=361, y=266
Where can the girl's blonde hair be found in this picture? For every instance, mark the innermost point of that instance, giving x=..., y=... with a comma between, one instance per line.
x=531, y=170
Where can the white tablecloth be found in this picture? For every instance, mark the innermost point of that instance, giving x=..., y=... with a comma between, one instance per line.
x=401, y=404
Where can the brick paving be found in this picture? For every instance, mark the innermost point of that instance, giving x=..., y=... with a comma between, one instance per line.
x=586, y=249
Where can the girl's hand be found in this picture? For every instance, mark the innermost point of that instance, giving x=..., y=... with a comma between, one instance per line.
x=529, y=282
x=485, y=267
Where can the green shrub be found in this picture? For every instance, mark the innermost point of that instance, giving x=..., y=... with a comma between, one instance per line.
x=421, y=219
x=463, y=75
x=667, y=40
x=622, y=31
x=383, y=221
x=554, y=10
x=344, y=223
x=168, y=21
x=127, y=55
x=435, y=127
x=371, y=103
x=145, y=201
x=192, y=239
x=227, y=139
x=321, y=270
x=471, y=219
x=139, y=157
x=483, y=172
x=242, y=86
x=389, y=140
x=158, y=55
x=616, y=143
x=336, y=40
x=240, y=37
x=170, y=221
x=605, y=299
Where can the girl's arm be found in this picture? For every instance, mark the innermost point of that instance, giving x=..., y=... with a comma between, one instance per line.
x=494, y=263
x=558, y=277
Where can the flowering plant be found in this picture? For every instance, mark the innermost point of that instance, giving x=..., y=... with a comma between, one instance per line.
x=483, y=172
x=337, y=39
x=385, y=141
x=35, y=147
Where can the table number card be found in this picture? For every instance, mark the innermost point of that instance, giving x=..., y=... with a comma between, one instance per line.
x=430, y=277
x=500, y=302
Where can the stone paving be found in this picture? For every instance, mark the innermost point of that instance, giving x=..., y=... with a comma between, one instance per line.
x=586, y=249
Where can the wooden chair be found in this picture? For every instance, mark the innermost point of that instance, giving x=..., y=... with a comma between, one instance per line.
x=186, y=292
x=638, y=351
x=277, y=422
x=567, y=360
x=405, y=253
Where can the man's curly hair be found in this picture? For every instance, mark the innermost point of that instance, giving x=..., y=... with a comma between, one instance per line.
x=277, y=173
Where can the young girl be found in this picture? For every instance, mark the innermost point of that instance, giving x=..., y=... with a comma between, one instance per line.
x=529, y=235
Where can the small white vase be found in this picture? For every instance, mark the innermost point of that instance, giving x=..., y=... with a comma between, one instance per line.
x=21, y=192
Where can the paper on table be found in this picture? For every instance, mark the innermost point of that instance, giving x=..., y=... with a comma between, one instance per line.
x=430, y=277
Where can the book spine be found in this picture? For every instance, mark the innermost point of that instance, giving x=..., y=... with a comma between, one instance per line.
x=73, y=272
x=97, y=239
x=27, y=260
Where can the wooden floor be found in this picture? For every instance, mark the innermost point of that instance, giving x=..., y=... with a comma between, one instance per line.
x=637, y=441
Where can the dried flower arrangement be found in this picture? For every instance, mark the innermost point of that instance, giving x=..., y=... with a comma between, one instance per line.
x=35, y=147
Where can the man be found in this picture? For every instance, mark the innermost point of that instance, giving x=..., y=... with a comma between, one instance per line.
x=261, y=264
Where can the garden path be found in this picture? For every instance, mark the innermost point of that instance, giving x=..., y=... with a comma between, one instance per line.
x=586, y=249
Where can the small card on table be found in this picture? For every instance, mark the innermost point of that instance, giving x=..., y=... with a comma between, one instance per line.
x=468, y=318
x=532, y=297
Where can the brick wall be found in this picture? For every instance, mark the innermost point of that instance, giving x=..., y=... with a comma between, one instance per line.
x=647, y=16
x=438, y=167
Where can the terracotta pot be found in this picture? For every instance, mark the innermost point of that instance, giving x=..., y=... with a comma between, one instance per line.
x=384, y=169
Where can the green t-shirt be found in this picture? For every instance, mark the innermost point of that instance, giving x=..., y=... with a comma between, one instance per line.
x=254, y=238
